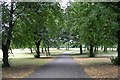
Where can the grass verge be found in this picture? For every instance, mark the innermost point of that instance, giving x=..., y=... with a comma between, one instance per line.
x=98, y=67
x=22, y=67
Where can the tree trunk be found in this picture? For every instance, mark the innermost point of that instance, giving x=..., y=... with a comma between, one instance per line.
x=5, y=56
x=81, y=49
x=6, y=46
x=112, y=49
x=85, y=48
x=118, y=33
x=31, y=50
x=38, y=50
x=45, y=50
x=105, y=49
x=101, y=47
x=58, y=48
x=91, y=51
x=68, y=45
x=48, y=50
x=42, y=50
x=88, y=48
x=97, y=49
x=66, y=48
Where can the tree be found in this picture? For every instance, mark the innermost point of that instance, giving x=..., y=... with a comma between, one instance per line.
x=95, y=29
x=12, y=13
x=36, y=25
x=116, y=8
x=7, y=25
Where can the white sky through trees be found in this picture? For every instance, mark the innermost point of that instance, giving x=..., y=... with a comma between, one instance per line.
x=64, y=3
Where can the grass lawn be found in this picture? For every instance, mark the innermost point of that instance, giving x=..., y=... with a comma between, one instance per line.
x=23, y=63
x=98, y=67
x=55, y=52
x=22, y=67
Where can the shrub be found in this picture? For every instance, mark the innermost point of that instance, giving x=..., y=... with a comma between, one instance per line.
x=92, y=55
x=36, y=56
x=115, y=60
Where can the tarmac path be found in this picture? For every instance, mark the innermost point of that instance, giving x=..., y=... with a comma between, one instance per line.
x=62, y=66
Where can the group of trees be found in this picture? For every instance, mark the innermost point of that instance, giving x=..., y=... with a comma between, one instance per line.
x=27, y=24
x=97, y=23
x=35, y=24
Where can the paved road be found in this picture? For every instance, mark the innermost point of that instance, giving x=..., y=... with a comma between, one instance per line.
x=63, y=66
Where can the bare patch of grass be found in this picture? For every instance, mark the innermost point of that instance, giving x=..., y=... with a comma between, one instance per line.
x=98, y=67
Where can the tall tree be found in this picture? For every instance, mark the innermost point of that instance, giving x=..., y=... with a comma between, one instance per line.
x=7, y=24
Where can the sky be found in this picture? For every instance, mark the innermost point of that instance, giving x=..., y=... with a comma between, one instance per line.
x=64, y=3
